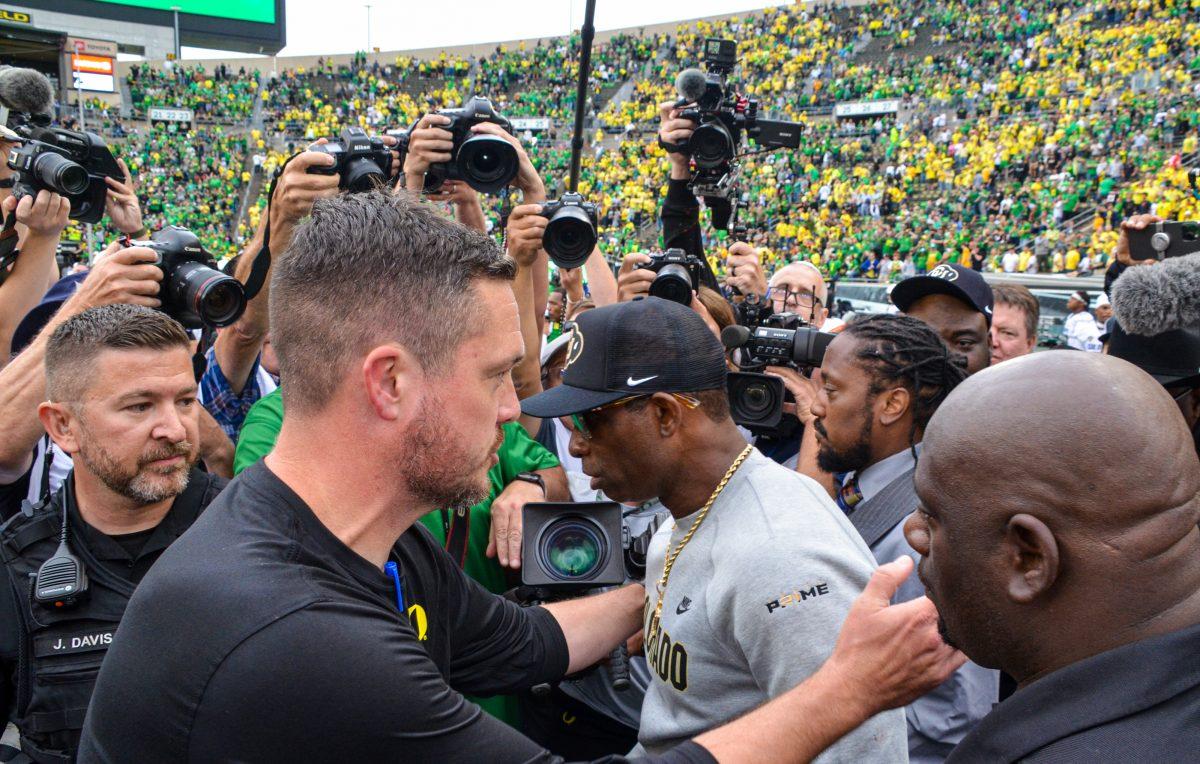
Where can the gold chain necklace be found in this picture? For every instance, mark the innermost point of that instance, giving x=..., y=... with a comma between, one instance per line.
x=656, y=619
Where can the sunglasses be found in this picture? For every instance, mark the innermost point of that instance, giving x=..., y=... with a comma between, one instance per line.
x=578, y=422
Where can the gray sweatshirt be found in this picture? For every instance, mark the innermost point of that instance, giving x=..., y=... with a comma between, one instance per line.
x=753, y=607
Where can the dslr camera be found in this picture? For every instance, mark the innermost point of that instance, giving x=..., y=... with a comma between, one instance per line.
x=678, y=275
x=487, y=163
x=570, y=234
x=783, y=339
x=725, y=120
x=71, y=163
x=193, y=291
x=361, y=162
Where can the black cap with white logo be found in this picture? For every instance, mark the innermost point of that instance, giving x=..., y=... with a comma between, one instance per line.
x=963, y=283
x=633, y=348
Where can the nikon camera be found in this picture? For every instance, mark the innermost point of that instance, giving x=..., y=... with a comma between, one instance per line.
x=570, y=234
x=68, y=162
x=678, y=275
x=361, y=162
x=193, y=291
x=487, y=163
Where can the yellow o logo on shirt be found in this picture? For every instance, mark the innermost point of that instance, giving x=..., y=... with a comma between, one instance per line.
x=419, y=621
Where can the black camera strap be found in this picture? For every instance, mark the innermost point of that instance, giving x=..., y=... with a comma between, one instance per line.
x=9, y=238
x=262, y=261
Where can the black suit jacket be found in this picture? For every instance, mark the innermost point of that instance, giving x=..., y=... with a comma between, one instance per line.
x=1137, y=703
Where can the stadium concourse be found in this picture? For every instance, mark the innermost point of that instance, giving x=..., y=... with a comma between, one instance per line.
x=1025, y=132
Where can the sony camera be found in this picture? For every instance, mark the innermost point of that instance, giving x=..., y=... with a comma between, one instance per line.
x=678, y=275
x=756, y=399
x=487, y=163
x=193, y=291
x=1164, y=239
x=361, y=162
x=570, y=234
x=68, y=162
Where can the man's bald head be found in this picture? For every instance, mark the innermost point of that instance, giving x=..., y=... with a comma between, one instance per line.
x=1036, y=552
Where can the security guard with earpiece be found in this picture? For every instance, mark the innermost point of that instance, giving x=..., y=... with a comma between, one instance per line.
x=122, y=404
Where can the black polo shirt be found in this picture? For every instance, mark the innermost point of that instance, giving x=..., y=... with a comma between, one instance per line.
x=1137, y=703
x=260, y=636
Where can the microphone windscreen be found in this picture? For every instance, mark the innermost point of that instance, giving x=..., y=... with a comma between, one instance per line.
x=690, y=84
x=734, y=336
x=26, y=90
x=1152, y=299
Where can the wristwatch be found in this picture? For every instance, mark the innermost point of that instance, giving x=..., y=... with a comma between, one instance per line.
x=532, y=477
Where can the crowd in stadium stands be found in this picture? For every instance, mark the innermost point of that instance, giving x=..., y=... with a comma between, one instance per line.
x=1028, y=133
x=219, y=95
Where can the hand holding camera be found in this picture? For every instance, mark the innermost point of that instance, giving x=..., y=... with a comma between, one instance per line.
x=361, y=162
x=193, y=291
x=298, y=187
x=744, y=272
x=675, y=131
x=633, y=280
x=122, y=203
x=44, y=215
x=428, y=143
x=120, y=275
x=526, y=226
x=528, y=182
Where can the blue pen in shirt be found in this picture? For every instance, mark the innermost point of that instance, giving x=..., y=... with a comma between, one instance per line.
x=393, y=570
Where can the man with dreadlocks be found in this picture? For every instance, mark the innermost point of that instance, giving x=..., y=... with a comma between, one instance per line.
x=882, y=379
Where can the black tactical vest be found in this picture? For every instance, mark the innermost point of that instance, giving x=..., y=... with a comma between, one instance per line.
x=61, y=649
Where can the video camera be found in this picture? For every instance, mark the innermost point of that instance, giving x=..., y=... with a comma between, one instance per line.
x=362, y=162
x=193, y=291
x=783, y=339
x=678, y=275
x=1164, y=239
x=725, y=120
x=71, y=163
x=487, y=163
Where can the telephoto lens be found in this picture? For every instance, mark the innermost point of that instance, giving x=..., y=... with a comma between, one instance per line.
x=488, y=163
x=193, y=291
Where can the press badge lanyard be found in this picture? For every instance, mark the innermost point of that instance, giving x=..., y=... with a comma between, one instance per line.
x=393, y=571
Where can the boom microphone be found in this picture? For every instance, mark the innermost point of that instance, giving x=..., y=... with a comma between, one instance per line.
x=25, y=90
x=691, y=84
x=1152, y=299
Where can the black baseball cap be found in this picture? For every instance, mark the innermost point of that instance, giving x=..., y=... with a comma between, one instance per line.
x=1172, y=358
x=649, y=345
x=963, y=283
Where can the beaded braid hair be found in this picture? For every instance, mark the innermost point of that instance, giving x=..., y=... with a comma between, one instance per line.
x=900, y=349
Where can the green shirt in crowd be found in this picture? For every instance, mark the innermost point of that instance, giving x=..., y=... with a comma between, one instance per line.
x=518, y=453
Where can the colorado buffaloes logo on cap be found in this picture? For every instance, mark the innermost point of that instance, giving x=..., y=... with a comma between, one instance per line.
x=944, y=272
x=575, y=348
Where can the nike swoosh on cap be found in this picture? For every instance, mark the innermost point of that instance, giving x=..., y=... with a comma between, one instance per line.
x=635, y=382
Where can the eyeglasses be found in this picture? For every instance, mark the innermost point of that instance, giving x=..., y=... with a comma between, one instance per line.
x=579, y=423
x=782, y=296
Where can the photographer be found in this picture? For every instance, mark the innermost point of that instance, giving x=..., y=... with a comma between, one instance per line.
x=882, y=379
x=735, y=624
x=122, y=402
x=311, y=554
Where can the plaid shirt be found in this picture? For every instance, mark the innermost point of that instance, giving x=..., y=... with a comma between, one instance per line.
x=226, y=406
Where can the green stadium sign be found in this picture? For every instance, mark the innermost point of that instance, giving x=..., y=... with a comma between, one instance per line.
x=262, y=11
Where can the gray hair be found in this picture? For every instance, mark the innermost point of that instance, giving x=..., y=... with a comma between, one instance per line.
x=370, y=268
x=76, y=342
